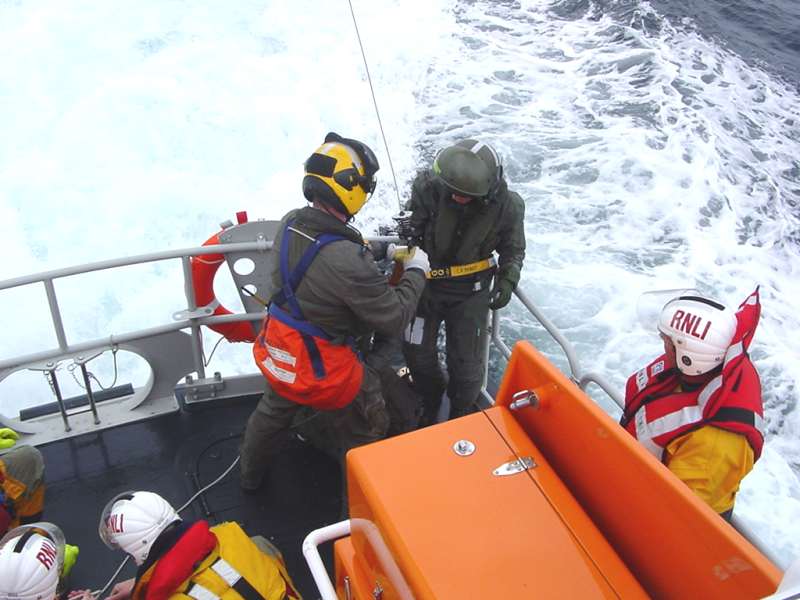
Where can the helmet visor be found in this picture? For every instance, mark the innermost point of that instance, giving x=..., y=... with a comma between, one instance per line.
x=650, y=304
x=110, y=522
x=370, y=163
x=46, y=530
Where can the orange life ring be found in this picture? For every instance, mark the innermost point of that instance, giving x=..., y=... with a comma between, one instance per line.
x=204, y=268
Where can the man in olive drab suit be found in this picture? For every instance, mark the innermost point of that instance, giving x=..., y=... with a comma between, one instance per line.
x=462, y=211
x=330, y=294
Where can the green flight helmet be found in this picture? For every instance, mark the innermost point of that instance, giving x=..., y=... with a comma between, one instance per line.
x=463, y=171
x=488, y=155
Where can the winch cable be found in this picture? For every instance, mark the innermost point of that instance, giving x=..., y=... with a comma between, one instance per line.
x=375, y=104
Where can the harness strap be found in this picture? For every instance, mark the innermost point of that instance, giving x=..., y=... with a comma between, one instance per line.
x=292, y=279
x=308, y=331
x=734, y=414
x=232, y=577
x=462, y=270
x=294, y=317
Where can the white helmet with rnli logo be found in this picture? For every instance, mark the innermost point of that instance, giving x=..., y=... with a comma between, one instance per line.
x=701, y=331
x=31, y=559
x=132, y=521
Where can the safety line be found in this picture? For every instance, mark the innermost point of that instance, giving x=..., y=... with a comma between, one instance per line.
x=375, y=104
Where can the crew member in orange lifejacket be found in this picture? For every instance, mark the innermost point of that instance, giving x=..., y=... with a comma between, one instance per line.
x=698, y=407
x=330, y=294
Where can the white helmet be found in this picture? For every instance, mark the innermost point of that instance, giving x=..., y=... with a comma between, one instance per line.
x=701, y=330
x=132, y=521
x=31, y=559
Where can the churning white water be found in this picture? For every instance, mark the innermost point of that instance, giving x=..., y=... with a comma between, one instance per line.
x=649, y=158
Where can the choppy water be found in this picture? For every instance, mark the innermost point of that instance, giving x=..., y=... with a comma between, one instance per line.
x=655, y=145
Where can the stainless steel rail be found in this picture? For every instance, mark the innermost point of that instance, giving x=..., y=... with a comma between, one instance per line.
x=582, y=379
x=46, y=360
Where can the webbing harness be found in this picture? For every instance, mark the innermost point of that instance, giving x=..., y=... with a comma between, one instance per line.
x=294, y=316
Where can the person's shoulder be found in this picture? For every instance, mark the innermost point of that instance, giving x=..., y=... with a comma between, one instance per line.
x=509, y=197
x=424, y=180
x=290, y=216
x=349, y=259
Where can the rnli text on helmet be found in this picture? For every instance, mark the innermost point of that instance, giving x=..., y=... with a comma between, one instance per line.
x=689, y=323
x=47, y=554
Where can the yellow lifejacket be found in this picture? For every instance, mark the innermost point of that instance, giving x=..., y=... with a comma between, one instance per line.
x=234, y=570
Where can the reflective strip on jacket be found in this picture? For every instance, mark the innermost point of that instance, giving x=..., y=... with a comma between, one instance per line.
x=235, y=569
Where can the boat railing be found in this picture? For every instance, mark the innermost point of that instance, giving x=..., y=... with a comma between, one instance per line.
x=173, y=354
x=165, y=347
x=580, y=377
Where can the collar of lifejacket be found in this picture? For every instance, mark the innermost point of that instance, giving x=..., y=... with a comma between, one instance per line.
x=161, y=580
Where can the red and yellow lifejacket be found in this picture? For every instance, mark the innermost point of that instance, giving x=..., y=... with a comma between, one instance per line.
x=656, y=411
x=219, y=563
x=301, y=362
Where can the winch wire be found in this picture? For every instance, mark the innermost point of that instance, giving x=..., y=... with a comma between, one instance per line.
x=375, y=104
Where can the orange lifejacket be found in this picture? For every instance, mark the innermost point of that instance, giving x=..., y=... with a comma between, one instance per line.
x=300, y=360
x=655, y=413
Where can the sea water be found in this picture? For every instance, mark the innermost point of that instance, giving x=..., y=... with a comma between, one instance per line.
x=655, y=145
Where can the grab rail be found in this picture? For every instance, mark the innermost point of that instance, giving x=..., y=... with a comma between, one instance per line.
x=65, y=349
x=582, y=379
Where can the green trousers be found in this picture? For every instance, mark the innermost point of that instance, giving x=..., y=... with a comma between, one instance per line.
x=364, y=420
x=465, y=325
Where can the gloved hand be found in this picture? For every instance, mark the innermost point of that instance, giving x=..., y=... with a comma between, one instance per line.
x=501, y=294
x=417, y=258
x=70, y=558
x=8, y=437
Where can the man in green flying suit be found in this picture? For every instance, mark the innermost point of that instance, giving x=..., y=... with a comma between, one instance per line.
x=462, y=211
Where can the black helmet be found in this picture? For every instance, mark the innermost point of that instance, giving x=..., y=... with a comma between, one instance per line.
x=463, y=171
x=488, y=155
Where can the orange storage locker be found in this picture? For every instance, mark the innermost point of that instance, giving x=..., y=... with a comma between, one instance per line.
x=428, y=522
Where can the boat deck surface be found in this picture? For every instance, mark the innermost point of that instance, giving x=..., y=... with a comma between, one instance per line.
x=176, y=455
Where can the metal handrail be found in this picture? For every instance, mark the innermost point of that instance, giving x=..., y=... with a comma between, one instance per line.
x=133, y=260
x=581, y=379
x=64, y=348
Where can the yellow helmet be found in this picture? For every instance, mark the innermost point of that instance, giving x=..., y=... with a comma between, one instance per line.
x=341, y=173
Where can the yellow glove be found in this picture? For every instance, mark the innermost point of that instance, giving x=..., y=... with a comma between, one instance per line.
x=8, y=437
x=70, y=558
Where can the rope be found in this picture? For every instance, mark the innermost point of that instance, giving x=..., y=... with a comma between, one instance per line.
x=375, y=104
